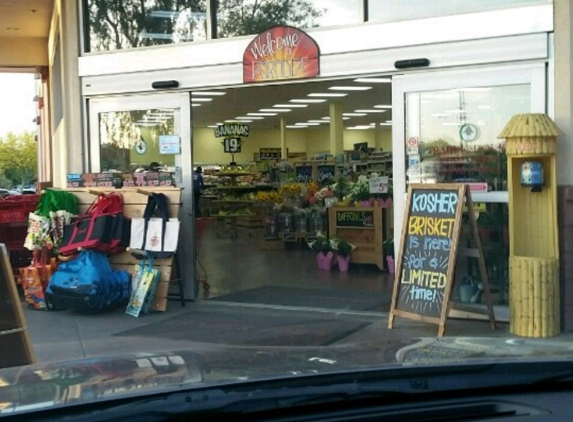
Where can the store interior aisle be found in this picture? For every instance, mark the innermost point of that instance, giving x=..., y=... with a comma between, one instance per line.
x=239, y=269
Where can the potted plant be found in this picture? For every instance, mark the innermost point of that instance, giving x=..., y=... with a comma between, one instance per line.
x=360, y=192
x=343, y=250
x=323, y=249
x=388, y=249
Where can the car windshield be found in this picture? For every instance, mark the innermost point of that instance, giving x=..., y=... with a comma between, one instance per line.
x=340, y=195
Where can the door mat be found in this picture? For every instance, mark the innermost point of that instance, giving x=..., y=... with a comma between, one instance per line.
x=336, y=299
x=250, y=329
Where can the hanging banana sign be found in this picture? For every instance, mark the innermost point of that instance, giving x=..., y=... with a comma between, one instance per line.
x=232, y=132
x=281, y=53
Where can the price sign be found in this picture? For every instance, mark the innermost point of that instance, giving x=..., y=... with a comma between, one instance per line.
x=378, y=184
x=325, y=173
x=303, y=174
x=232, y=145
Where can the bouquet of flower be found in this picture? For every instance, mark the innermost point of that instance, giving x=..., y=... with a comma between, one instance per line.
x=342, y=247
x=361, y=189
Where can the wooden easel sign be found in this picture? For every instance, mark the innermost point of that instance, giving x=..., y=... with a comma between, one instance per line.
x=427, y=255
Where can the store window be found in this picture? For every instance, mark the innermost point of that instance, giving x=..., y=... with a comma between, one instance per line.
x=129, y=140
x=402, y=10
x=117, y=24
x=247, y=17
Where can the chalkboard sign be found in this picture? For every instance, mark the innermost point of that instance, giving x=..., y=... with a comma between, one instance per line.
x=303, y=173
x=428, y=251
x=360, y=219
x=428, y=243
x=325, y=173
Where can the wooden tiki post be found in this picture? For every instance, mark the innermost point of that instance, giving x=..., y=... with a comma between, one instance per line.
x=533, y=234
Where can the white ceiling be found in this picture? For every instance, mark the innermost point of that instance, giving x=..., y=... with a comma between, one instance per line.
x=25, y=18
x=252, y=98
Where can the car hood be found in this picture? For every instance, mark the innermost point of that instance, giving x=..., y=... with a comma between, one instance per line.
x=52, y=384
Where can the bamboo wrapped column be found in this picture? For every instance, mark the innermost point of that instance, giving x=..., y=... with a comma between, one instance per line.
x=534, y=297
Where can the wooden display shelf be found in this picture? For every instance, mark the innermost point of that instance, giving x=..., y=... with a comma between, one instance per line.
x=361, y=226
x=134, y=203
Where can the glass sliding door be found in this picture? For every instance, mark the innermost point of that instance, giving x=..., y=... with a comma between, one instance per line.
x=124, y=137
x=452, y=120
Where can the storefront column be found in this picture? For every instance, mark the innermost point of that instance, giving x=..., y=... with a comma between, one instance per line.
x=563, y=106
x=284, y=154
x=336, y=129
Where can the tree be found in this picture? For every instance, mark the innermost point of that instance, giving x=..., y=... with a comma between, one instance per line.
x=244, y=17
x=19, y=157
x=118, y=24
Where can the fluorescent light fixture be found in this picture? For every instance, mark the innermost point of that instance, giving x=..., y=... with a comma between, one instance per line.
x=360, y=127
x=201, y=100
x=353, y=114
x=209, y=93
x=244, y=120
x=327, y=94
x=383, y=106
x=386, y=124
x=346, y=118
x=326, y=118
x=196, y=105
x=296, y=127
x=308, y=101
x=388, y=121
x=307, y=124
x=350, y=88
x=213, y=126
x=374, y=80
x=370, y=111
x=317, y=121
x=249, y=117
x=279, y=110
x=290, y=105
x=262, y=114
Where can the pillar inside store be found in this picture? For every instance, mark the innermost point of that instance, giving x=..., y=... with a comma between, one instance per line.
x=336, y=129
x=378, y=134
x=284, y=153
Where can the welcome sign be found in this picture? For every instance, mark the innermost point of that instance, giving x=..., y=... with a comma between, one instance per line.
x=281, y=53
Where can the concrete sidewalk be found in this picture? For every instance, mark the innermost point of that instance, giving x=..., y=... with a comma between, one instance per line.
x=63, y=335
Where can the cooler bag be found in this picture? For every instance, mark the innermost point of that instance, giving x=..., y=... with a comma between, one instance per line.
x=88, y=283
x=102, y=228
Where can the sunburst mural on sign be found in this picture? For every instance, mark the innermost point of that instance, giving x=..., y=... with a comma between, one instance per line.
x=281, y=53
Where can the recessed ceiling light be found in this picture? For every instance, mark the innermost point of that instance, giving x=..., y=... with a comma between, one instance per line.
x=382, y=106
x=279, y=110
x=374, y=80
x=244, y=120
x=386, y=124
x=350, y=88
x=201, y=100
x=196, y=105
x=218, y=124
x=370, y=111
x=317, y=121
x=249, y=117
x=290, y=105
x=213, y=126
x=307, y=124
x=308, y=101
x=262, y=114
x=296, y=127
x=360, y=127
x=346, y=118
x=326, y=118
x=327, y=94
x=354, y=114
x=207, y=93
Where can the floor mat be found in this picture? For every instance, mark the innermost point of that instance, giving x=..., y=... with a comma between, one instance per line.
x=349, y=300
x=250, y=329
